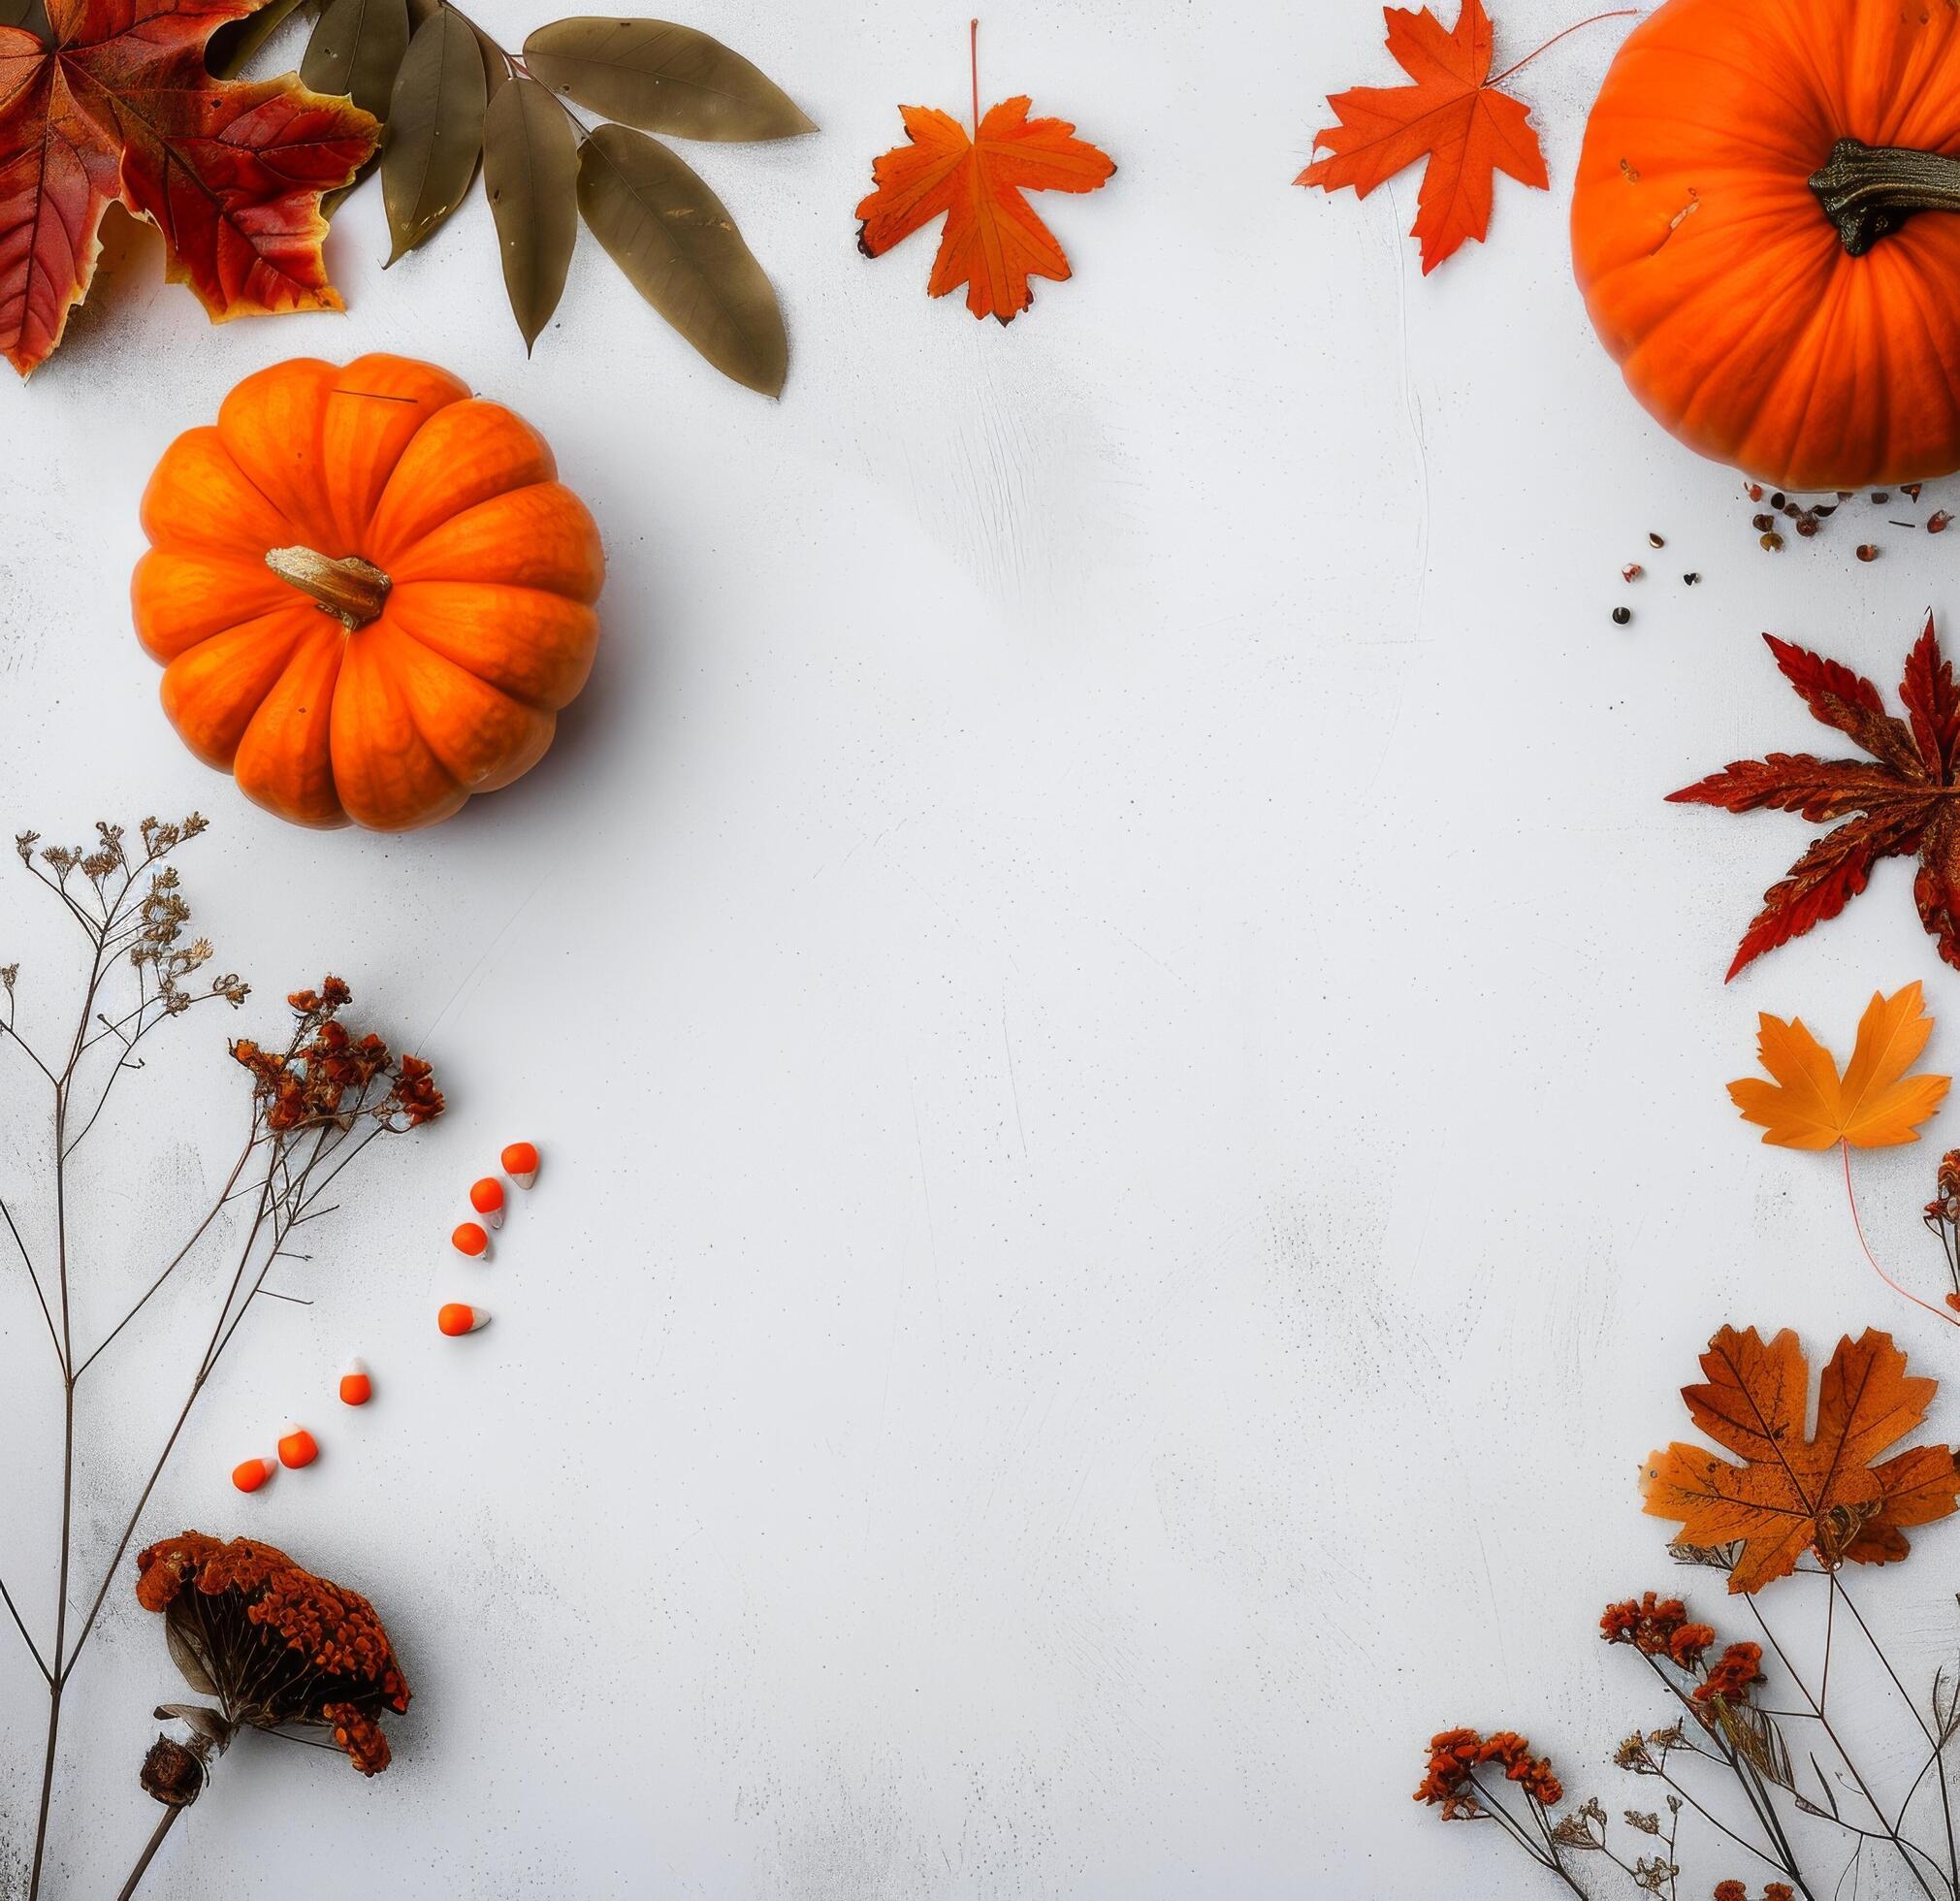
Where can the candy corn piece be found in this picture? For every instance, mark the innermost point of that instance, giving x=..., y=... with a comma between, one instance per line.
x=520, y=1163
x=470, y=1238
x=456, y=1318
x=356, y=1388
x=297, y=1447
x=252, y=1474
x=486, y=1197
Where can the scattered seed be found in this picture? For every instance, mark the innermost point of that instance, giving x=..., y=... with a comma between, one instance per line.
x=1936, y=522
x=1656, y=541
x=1772, y=542
x=1823, y=509
x=1845, y=494
x=1912, y=489
x=1866, y=551
x=1632, y=571
x=1777, y=499
x=1762, y=524
x=1690, y=580
x=1754, y=491
x=1621, y=615
x=1806, y=526
x=1879, y=497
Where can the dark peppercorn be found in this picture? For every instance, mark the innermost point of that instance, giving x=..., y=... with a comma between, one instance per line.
x=1621, y=615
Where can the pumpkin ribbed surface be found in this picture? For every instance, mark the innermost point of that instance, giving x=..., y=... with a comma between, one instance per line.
x=1712, y=272
x=444, y=513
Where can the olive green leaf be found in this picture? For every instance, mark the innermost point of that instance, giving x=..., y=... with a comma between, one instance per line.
x=356, y=49
x=531, y=173
x=236, y=40
x=435, y=129
x=680, y=249
x=662, y=77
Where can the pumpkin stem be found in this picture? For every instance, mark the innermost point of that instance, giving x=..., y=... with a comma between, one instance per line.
x=1868, y=191
x=351, y=590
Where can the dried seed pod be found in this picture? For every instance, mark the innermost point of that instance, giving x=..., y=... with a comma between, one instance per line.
x=1772, y=542
x=1936, y=522
x=1762, y=524
x=1632, y=571
x=1866, y=551
x=1654, y=540
x=1806, y=526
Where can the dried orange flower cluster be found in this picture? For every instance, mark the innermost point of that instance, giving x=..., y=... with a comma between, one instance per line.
x=1732, y=1675
x=1943, y=1217
x=1456, y=1754
x=1657, y=1626
x=325, y=1075
x=277, y=1644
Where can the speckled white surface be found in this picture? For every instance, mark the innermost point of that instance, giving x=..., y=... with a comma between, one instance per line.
x=1130, y=1062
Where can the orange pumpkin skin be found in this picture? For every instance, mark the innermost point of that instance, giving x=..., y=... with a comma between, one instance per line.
x=1711, y=269
x=487, y=630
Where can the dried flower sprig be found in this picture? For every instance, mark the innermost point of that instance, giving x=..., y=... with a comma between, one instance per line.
x=1747, y=1716
x=278, y=1648
x=318, y=1101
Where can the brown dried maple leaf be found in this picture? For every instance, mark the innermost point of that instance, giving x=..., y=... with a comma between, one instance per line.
x=1899, y=803
x=1794, y=1493
x=116, y=106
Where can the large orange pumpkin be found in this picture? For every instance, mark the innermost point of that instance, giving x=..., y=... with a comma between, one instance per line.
x=369, y=591
x=1763, y=232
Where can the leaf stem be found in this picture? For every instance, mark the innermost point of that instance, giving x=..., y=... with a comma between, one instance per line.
x=973, y=65
x=1518, y=66
x=1944, y=1313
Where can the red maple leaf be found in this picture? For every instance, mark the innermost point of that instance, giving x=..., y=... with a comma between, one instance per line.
x=992, y=242
x=1902, y=805
x=1452, y=114
x=116, y=107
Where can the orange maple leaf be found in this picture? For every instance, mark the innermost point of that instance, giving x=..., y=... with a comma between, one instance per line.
x=1791, y=1492
x=993, y=243
x=1874, y=1105
x=1453, y=114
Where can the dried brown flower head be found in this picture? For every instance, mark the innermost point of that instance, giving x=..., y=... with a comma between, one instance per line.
x=326, y=1075
x=275, y=1645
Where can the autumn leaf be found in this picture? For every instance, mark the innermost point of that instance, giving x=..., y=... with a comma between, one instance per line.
x=1874, y=1105
x=1794, y=1493
x=116, y=107
x=1902, y=804
x=992, y=242
x=1452, y=114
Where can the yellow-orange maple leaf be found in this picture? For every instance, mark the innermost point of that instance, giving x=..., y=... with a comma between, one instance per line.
x=993, y=243
x=1793, y=1492
x=1451, y=115
x=1874, y=1105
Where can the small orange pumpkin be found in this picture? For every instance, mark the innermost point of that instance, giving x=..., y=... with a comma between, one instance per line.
x=1757, y=231
x=370, y=593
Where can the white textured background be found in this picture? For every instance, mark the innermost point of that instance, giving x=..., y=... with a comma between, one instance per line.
x=1130, y=1062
